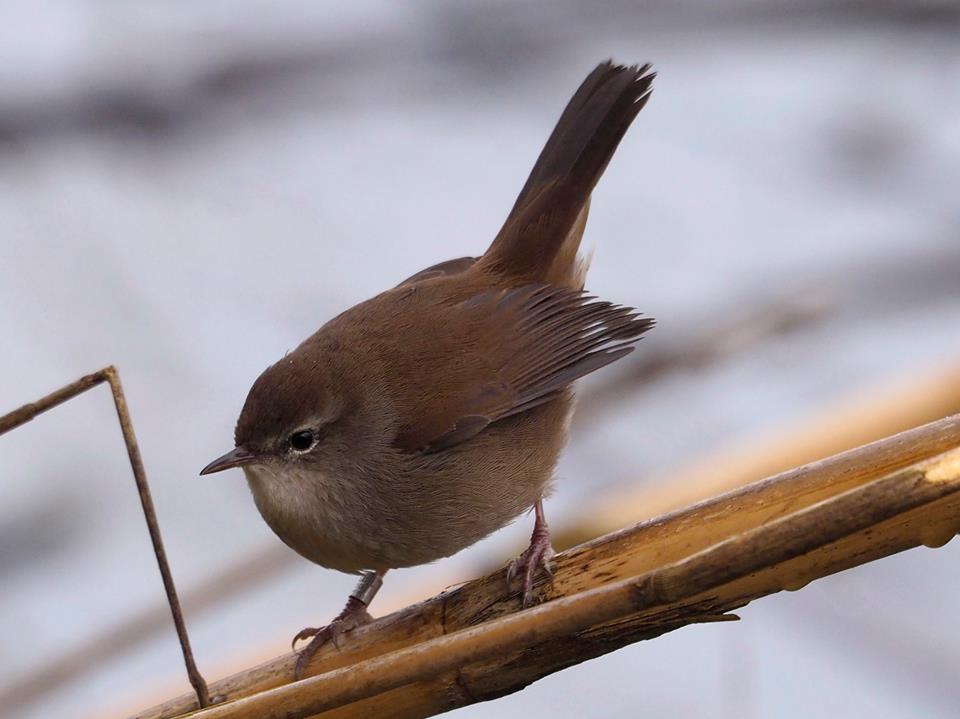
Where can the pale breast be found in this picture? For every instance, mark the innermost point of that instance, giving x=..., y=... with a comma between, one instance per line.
x=308, y=514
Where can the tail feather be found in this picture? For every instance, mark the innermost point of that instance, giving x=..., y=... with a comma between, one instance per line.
x=566, y=269
x=540, y=237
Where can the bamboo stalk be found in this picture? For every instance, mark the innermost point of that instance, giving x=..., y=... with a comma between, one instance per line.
x=652, y=547
x=766, y=546
x=865, y=417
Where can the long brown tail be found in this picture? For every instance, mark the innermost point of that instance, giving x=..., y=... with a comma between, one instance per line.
x=540, y=238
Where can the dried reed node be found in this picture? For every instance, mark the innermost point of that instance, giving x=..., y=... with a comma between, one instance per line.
x=110, y=375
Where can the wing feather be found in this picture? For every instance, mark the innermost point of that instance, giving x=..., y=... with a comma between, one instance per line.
x=537, y=340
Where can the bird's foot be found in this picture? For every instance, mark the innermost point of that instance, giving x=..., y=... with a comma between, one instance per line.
x=538, y=554
x=353, y=615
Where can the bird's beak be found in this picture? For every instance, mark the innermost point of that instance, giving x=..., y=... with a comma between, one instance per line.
x=238, y=457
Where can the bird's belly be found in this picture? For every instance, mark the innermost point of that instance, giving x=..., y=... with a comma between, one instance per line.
x=333, y=532
x=302, y=510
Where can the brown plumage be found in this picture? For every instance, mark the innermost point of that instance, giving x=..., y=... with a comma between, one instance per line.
x=427, y=417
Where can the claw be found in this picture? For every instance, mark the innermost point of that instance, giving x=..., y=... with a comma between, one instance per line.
x=353, y=615
x=304, y=634
x=512, y=569
x=538, y=555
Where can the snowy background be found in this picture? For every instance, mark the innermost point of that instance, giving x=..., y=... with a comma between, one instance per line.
x=189, y=189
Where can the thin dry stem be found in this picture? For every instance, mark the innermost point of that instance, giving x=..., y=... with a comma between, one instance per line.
x=24, y=414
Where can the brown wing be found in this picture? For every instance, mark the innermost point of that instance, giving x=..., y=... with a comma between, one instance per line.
x=527, y=345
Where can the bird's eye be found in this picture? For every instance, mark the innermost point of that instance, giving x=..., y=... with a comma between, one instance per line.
x=303, y=440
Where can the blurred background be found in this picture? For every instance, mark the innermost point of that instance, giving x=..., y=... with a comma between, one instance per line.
x=187, y=190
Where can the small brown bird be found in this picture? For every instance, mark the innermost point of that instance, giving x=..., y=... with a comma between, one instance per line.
x=422, y=420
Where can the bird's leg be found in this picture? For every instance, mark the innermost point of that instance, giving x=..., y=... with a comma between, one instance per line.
x=353, y=615
x=538, y=554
